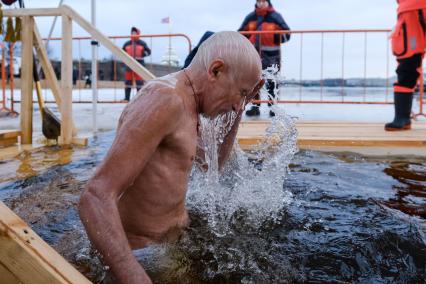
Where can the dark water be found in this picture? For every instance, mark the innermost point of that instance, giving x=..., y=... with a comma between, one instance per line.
x=351, y=219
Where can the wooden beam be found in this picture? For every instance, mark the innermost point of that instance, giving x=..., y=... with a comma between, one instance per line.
x=27, y=257
x=8, y=142
x=46, y=65
x=80, y=141
x=48, y=70
x=105, y=41
x=6, y=134
x=27, y=80
x=66, y=82
x=7, y=276
x=43, y=12
x=334, y=134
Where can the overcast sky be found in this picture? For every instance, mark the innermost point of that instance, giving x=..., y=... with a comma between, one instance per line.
x=194, y=17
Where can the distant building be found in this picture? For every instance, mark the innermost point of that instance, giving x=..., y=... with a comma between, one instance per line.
x=170, y=58
x=113, y=70
x=333, y=82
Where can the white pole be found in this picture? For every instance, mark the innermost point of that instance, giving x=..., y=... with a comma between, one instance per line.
x=170, y=40
x=50, y=34
x=94, y=73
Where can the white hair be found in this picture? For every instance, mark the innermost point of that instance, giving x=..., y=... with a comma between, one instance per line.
x=234, y=49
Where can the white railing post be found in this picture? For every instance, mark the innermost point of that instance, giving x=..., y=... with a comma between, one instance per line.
x=94, y=72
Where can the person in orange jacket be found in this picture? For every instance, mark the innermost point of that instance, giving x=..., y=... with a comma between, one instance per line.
x=408, y=45
x=265, y=18
x=137, y=49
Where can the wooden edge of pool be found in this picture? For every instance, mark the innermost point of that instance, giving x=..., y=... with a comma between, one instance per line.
x=363, y=138
x=26, y=258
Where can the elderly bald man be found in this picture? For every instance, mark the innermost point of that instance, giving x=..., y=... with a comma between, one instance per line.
x=137, y=195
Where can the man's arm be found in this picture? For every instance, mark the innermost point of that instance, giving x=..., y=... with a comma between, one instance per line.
x=244, y=25
x=140, y=134
x=146, y=50
x=125, y=45
x=228, y=142
x=245, y=22
x=278, y=18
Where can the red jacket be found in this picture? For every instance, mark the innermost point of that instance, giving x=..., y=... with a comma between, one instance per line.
x=408, y=37
x=410, y=5
x=271, y=21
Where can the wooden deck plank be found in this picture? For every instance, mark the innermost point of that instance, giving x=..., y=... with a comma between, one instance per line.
x=339, y=134
x=6, y=134
x=7, y=276
x=9, y=137
x=26, y=257
x=8, y=142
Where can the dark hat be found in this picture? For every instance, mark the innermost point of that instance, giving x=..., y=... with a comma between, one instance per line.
x=8, y=2
x=269, y=1
x=134, y=29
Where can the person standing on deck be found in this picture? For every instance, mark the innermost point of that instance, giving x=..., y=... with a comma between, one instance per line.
x=408, y=45
x=265, y=18
x=137, y=49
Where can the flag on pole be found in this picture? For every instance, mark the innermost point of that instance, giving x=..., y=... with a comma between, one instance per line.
x=165, y=20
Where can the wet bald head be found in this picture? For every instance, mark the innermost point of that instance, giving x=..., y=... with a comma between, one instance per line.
x=235, y=50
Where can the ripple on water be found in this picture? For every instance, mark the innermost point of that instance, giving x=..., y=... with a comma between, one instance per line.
x=325, y=218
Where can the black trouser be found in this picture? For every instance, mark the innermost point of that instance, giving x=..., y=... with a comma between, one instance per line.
x=408, y=73
x=270, y=59
x=128, y=88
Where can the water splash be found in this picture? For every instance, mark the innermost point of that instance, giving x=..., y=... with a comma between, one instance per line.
x=238, y=201
x=244, y=185
x=254, y=187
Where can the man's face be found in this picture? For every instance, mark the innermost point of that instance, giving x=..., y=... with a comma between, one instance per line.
x=262, y=4
x=226, y=95
x=135, y=36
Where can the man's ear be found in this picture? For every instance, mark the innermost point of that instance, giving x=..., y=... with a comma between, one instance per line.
x=216, y=68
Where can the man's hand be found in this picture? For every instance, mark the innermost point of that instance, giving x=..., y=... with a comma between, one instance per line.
x=256, y=90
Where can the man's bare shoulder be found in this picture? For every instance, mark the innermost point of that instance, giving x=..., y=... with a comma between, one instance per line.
x=156, y=101
x=161, y=93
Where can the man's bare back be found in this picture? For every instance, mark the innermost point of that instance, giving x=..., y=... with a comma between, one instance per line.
x=137, y=195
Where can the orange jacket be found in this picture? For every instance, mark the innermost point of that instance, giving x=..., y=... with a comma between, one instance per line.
x=410, y=5
x=408, y=37
x=270, y=21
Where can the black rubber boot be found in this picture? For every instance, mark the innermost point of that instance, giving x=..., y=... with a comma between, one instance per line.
x=127, y=92
x=254, y=111
x=402, y=121
x=271, y=113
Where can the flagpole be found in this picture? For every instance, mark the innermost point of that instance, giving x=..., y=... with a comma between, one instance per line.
x=170, y=39
x=94, y=73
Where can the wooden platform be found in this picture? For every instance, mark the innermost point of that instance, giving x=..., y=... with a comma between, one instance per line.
x=9, y=137
x=26, y=258
x=339, y=136
x=365, y=138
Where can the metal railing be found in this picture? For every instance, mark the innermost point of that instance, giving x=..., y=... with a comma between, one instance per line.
x=111, y=71
x=293, y=91
x=7, y=80
x=337, y=90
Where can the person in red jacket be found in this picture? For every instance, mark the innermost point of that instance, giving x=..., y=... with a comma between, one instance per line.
x=408, y=45
x=265, y=18
x=137, y=49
